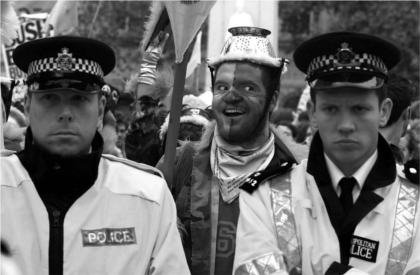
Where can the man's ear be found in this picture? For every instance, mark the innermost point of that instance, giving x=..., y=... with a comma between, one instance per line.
x=101, y=112
x=273, y=102
x=310, y=106
x=385, y=111
x=406, y=114
x=27, y=104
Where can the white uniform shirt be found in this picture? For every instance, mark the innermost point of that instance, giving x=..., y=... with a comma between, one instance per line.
x=360, y=175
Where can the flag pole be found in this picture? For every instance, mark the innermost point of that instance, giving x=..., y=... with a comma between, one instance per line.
x=175, y=116
x=94, y=18
x=196, y=78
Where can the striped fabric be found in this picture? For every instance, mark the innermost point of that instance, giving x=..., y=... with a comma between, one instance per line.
x=363, y=62
x=77, y=64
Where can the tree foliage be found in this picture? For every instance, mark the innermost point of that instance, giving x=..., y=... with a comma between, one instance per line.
x=120, y=24
x=395, y=21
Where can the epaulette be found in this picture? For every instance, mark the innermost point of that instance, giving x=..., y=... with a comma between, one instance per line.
x=6, y=152
x=141, y=166
x=255, y=179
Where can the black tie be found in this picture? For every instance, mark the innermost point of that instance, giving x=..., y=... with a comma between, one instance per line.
x=346, y=197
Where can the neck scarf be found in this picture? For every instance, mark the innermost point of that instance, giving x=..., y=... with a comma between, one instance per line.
x=231, y=165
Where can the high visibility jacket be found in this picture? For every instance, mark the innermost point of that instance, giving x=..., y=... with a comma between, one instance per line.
x=124, y=224
x=284, y=228
x=197, y=195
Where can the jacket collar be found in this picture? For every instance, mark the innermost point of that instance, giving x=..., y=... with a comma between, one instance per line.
x=398, y=155
x=45, y=169
x=383, y=172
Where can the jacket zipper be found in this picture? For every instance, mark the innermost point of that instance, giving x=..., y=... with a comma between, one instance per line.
x=56, y=244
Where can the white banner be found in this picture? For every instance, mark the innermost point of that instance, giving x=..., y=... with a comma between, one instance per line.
x=29, y=30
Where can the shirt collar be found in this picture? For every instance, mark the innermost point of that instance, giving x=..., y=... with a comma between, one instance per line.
x=360, y=175
x=383, y=172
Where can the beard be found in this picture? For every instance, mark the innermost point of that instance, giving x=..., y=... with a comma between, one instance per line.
x=249, y=132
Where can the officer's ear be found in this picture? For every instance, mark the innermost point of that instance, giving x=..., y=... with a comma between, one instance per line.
x=27, y=104
x=310, y=106
x=406, y=115
x=273, y=102
x=385, y=111
x=101, y=110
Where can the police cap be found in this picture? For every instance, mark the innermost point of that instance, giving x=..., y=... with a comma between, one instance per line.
x=65, y=62
x=343, y=59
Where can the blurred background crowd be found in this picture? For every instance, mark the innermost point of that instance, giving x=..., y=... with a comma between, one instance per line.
x=121, y=25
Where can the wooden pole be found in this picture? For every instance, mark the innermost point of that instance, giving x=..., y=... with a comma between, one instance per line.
x=174, y=119
x=175, y=116
x=196, y=77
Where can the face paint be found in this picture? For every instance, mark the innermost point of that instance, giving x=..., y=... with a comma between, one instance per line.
x=240, y=103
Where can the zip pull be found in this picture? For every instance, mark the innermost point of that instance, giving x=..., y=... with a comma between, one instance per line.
x=56, y=215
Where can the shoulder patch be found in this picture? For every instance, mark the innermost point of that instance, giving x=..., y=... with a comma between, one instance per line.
x=411, y=172
x=257, y=178
x=140, y=166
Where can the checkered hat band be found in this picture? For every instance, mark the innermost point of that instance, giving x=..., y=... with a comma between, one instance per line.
x=363, y=59
x=78, y=65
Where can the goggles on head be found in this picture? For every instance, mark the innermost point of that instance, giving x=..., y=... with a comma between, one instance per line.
x=188, y=111
x=64, y=84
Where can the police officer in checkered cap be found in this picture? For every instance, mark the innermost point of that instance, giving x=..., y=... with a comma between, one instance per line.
x=66, y=208
x=344, y=210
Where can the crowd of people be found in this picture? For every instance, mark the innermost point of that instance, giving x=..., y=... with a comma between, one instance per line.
x=328, y=188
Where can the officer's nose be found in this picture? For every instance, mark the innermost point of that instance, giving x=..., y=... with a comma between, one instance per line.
x=346, y=124
x=65, y=115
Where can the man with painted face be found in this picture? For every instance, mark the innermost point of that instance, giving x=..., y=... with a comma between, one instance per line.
x=65, y=207
x=238, y=143
x=344, y=210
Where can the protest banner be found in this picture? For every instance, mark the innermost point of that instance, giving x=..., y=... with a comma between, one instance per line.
x=28, y=31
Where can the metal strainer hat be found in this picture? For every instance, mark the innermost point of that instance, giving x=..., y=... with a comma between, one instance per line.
x=248, y=44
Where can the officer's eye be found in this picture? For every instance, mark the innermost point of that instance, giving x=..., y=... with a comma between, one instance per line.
x=248, y=88
x=359, y=109
x=80, y=98
x=330, y=109
x=49, y=97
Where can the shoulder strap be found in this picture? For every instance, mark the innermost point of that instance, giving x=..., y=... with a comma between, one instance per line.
x=6, y=152
x=402, y=237
x=254, y=180
x=140, y=166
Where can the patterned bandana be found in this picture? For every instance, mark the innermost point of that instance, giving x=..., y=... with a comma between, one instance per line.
x=232, y=165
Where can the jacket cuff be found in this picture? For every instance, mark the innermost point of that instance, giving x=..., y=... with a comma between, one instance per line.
x=337, y=269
